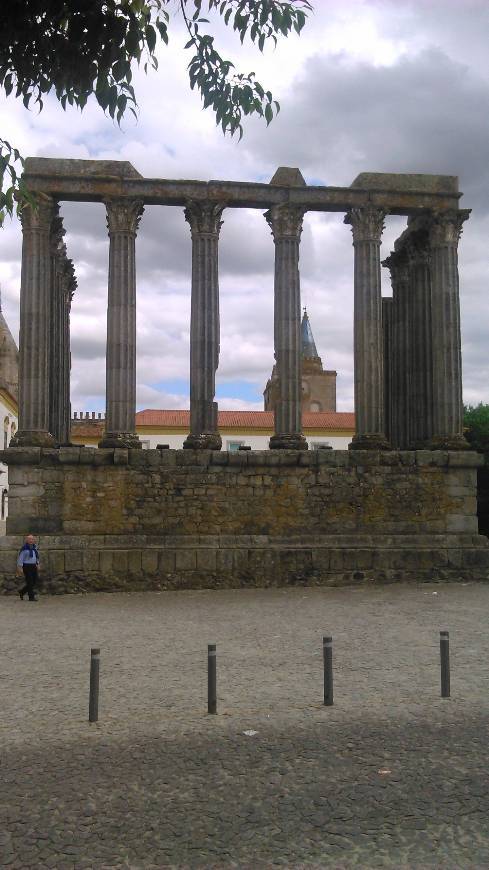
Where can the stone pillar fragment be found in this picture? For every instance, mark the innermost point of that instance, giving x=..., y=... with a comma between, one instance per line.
x=286, y=225
x=205, y=224
x=367, y=224
x=35, y=313
x=421, y=356
x=397, y=263
x=388, y=350
x=123, y=216
x=444, y=233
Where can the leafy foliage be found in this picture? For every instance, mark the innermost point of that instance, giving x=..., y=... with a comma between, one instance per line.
x=476, y=425
x=79, y=48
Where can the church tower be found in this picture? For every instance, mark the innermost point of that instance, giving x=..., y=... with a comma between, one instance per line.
x=318, y=385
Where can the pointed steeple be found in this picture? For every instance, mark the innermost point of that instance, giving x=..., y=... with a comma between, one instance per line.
x=308, y=345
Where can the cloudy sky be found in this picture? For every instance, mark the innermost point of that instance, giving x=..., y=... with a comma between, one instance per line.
x=371, y=85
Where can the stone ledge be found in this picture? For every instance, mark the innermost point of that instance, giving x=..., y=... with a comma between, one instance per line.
x=49, y=456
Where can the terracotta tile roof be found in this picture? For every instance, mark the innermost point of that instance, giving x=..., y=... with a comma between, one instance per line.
x=246, y=419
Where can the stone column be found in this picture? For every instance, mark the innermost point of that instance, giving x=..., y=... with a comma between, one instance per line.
x=34, y=326
x=61, y=287
x=123, y=216
x=388, y=350
x=205, y=224
x=397, y=263
x=367, y=224
x=421, y=368
x=444, y=234
x=67, y=289
x=286, y=224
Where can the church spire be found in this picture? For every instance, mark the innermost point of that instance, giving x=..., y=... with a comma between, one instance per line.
x=308, y=345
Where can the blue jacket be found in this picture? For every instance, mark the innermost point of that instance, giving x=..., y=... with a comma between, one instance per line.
x=28, y=556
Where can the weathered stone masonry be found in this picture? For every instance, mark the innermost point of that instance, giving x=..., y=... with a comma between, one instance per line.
x=203, y=518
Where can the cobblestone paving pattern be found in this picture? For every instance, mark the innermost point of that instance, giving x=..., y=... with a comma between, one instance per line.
x=391, y=776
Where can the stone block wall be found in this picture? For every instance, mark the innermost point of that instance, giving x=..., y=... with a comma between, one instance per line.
x=167, y=519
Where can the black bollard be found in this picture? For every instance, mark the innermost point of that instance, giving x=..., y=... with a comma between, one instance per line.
x=211, y=679
x=94, y=683
x=445, y=664
x=328, y=671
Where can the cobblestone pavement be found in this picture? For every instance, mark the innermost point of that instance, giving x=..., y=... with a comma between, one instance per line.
x=391, y=776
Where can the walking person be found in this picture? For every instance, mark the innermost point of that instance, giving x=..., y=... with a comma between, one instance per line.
x=28, y=564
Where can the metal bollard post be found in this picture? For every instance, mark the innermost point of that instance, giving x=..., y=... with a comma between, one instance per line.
x=328, y=671
x=211, y=679
x=445, y=664
x=94, y=684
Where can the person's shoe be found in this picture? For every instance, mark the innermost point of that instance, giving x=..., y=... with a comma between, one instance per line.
x=34, y=598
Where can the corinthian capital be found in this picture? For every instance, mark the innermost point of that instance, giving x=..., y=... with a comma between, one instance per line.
x=418, y=250
x=398, y=264
x=204, y=217
x=285, y=221
x=446, y=227
x=40, y=215
x=123, y=215
x=367, y=223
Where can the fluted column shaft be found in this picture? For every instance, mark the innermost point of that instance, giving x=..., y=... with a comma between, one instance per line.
x=397, y=263
x=444, y=235
x=367, y=225
x=388, y=350
x=120, y=420
x=61, y=287
x=421, y=364
x=34, y=326
x=205, y=224
x=286, y=225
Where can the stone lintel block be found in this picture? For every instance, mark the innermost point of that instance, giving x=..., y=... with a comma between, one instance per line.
x=309, y=458
x=73, y=560
x=106, y=561
x=186, y=560
x=166, y=561
x=258, y=458
x=224, y=560
x=91, y=559
x=149, y=561
x=238, y=458
x=104, y=456
x=334, y=458
x=167, y=458
x=200, y=458
x=138, y=457
x=364, y=458
x=121, y=456
x=206, y=560
x=56, y=561
x=153, y=458
x=134, y=561
x=289, y=457
x=426, y=458
x=69, y=455
x=259, y=540
x=476, y=558
x=390, y=457
x=21, y=456
x=87, y=455
x=407, y=457
x=220, y=457
x=465, y=459
x=462, y=523
x=8, y=561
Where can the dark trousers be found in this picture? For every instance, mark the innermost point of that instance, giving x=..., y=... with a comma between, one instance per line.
x=30, y=574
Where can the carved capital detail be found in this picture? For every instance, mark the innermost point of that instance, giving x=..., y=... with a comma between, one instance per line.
x=398, y=265
x=446, y=227
x=367, y=223
x=285, y=221
x=418, y=250
x=123, y=215
x=40, y=216
x=204, y=217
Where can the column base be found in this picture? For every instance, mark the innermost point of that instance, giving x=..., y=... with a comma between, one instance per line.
x=448, y=442
x=376, y=441
x=206, y=441
x=120, y=439
x=33, y=438
x=295, y=441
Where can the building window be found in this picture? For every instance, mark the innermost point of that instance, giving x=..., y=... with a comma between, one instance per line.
x=6, y=424
x=315, y=407
x=4, y=503
x=316, y=445
x=233, y=446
